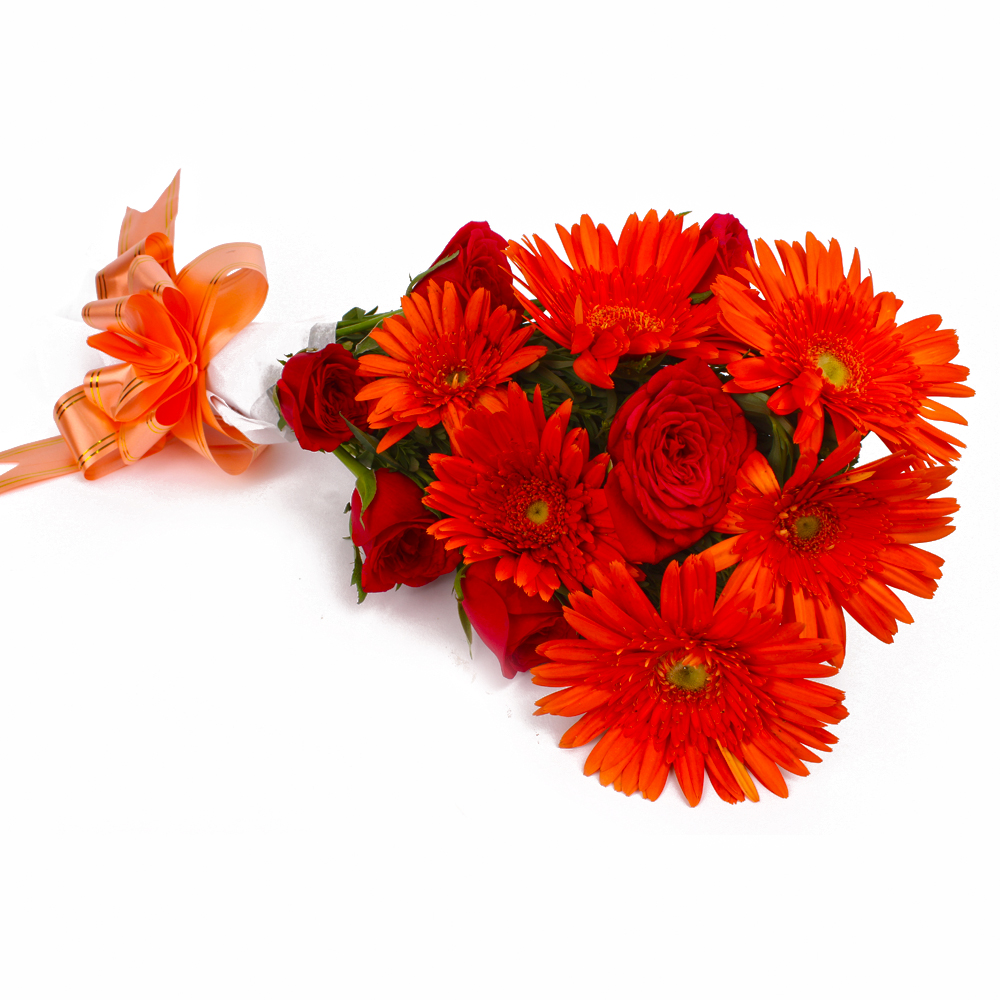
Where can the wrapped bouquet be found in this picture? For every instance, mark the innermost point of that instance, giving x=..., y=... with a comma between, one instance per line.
x=640, y=460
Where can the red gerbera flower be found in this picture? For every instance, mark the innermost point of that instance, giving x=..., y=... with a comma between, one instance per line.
x=521, y=488
x=702, y=685
x=831, y=344
x=442, y=360
x=629, y=297
x=822, y=546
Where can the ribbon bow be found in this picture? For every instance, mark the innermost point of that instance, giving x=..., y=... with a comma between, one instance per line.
x=165, y=328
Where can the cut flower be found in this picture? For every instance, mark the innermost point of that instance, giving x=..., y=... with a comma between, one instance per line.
x=443, y=359
x=521, y=489
x=629, y=297
x=703, y=685
x=509, y=622
x=676, y=445
x=830, y=543
x=828, y=343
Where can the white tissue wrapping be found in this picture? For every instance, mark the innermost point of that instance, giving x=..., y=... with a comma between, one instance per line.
x=240, y=377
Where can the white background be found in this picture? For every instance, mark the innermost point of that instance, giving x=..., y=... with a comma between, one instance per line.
x=219, y=777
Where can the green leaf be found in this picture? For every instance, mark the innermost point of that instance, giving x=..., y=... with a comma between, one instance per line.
x=551, y=378
x=752, y=402
x=367, y=442
x=366, y=346
x=367, y=484
x=434, y=267
x=357, y=324
x=356, y=575
x=369, y=446
x=272, y=395
x=357, y=314
x=784, y=453
x=697, y=298
x=466, y=626
x=457, y=589
x=611, y=404
x=459, y=592
x=365, y=478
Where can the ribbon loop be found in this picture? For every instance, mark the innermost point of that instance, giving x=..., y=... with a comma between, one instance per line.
x=113, y=280
x=226, y=287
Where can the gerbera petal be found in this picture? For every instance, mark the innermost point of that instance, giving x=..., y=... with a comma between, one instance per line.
x=842, y=351
x=611, y=299
x=443, y=359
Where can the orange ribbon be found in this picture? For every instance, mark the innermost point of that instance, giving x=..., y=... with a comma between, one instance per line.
x=165, y=328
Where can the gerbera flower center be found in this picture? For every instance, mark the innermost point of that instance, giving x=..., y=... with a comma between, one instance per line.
x=834, y=370
x=538, y=512
x=809, y=529
x=688, y=676
x=682, y=675
x=534, y=514
x=634, y=321
x=444, y=374
x=806, y=526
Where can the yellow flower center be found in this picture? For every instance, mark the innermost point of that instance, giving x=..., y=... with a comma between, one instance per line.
x=633, y=321
x=686, y=676
x=809, y=531
x=457, y=378
x=537, y=512
x=834, y=370
x=806, y=526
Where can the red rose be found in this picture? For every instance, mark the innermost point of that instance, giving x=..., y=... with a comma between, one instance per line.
x=731, y=252
x=315, y=388
x=392, y=532
x=480, y=264
x=510, y=622
x=677, y=445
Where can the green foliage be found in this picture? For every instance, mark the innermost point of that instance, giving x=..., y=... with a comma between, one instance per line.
x=593, y=407
x=364, y=477
x=466, y=626
x=354, y=329
x=774, y=433
x=272, y=395
x=356, y=575
x=654, y=573
x=434, y=267
x=460, y=597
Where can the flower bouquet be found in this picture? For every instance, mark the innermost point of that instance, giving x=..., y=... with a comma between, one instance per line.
x=642, y=464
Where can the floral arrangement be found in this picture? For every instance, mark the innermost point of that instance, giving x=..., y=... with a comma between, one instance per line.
x=641, y=463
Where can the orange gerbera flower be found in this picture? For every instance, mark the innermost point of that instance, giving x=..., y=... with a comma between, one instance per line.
x=629, y=297
x=702, y=685
x=831, y=344
x=521, y=488
x=822, y=546
x=442, y=360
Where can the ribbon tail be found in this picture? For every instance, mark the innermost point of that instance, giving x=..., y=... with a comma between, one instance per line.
x=159, y=219
x=36, y=461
